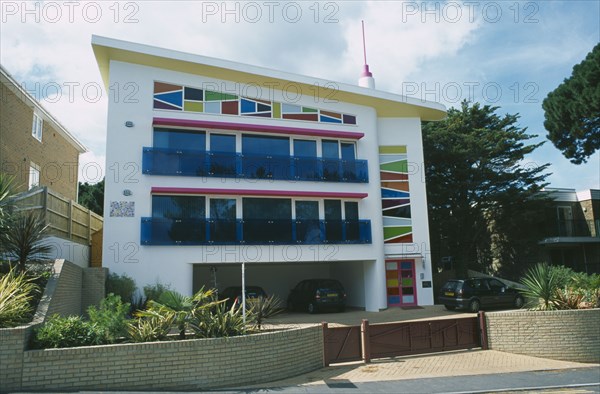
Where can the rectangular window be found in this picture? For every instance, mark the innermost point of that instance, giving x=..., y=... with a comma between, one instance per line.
x=267, y=219
x=266, y=157
x=222, y=220
x=222, y=155
x=180, y=139
x=179, y=219
x=34, y=175
x=307, y=222
x=179, y=207
x=36, y=128
x=351, y=222
x=306, y=166
x=333, y=220
x=331, y=162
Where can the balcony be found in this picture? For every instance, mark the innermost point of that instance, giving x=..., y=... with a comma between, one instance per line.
x=163, y=161
x=573, y=228
x=161, y=231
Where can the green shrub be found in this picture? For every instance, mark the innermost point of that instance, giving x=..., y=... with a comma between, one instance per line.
x=110, y=318
x=67, y=332
x=121, y=285
x=153, y=292
x=151, y=326
x=16, y=295
x=542, y=284
x=219, y=321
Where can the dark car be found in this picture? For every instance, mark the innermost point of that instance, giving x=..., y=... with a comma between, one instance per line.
x=474, y=294
x=314, y=295
x=234, y=294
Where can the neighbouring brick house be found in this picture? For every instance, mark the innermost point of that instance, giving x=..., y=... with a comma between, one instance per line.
x=573, y=229
x=34, y=146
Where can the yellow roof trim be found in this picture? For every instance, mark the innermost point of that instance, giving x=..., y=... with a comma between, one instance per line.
x=387, y=105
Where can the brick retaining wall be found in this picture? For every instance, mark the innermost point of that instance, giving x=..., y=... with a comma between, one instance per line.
x=190, y=364
x=570, y=335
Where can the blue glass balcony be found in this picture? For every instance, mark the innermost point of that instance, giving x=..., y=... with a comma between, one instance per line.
x=164, y=161
x=162, y=231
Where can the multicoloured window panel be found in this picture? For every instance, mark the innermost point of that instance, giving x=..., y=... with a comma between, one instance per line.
x=395, y=194
x=188, y=99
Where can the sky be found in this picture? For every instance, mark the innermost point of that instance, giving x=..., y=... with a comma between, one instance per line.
x=508, y=54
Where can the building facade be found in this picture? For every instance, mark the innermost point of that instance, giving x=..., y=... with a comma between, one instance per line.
x=34, y=146
x=215, y=163
x=573, y=229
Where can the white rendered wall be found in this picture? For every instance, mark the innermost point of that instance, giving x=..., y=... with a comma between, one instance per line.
x=407, y=131
x=122, y=252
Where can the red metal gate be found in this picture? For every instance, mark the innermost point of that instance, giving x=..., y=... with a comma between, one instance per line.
x=364, y=342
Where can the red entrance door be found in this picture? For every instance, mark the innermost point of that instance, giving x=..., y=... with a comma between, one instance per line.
x=400, y=282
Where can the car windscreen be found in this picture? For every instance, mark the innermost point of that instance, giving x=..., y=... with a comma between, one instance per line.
x=453, y=285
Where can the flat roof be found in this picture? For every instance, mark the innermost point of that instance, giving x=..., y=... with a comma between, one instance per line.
x=387, y=105
x=28, y=99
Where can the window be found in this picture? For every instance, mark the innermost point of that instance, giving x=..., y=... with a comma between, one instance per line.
x=267, y=219
x=222, y=156
x=180, y=139
x=351, y=223
x=36, y=128
x=305, y=160
x=266, y=157
x=333, y=220
x=307, y=222
x=34, y=175
x=178, y=207
x=179, y=219
x=222, y=220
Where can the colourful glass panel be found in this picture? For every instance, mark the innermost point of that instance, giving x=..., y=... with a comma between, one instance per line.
x=193, y=106
x=262, y=107
x=349, y=119
x=327, y=119
x=408, y=299
x=393, y=300
x=218, y=96
x=406, y=265
x=277, y=110
x=391, y=274
x=387, y=193
x=403, y=186
x=386, y=204
x=407, y=282
x=310, y=117
x=400, y=240
x=174, y=98
x=393, y=290
x=391, y=265
x=390, y=176
x=391, y=232
x=229, y=107
x=396, y=166
x=213, y=107
x=160, y=87
x=392, y=283
x=308, y=109
x=392, y=149
x=161, y=105
x=247, y=106
x=193, y=94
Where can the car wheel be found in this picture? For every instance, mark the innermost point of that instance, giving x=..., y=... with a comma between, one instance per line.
x=312, y=308
x=450, y=307
x=474, y=306
x=519, y=301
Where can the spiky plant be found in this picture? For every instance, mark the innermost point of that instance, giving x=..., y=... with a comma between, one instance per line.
x=16, y=293
x=25, y=236
x=542, y=286
x=262, y=308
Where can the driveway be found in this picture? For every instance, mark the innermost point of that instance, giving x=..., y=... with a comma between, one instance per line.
x=353, y=317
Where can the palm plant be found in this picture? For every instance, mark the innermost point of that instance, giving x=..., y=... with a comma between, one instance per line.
x=25, y=237
x=218, y=321
x=262, y=308
x=151, y=325
x=183, y=308
x=542, y=286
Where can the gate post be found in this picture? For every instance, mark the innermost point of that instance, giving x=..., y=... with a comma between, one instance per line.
x=483, y=331
x=325, y=352
x=365, y=341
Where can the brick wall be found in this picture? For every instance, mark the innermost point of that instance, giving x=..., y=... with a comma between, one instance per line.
x=65, y=286
x=12, y=344
x=57, y=158
x=93, y=288
x=571, y=335
x=191, y=364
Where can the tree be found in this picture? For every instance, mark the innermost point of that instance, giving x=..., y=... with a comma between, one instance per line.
x=572, y=111
x=91, y=196
x=484, y=200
